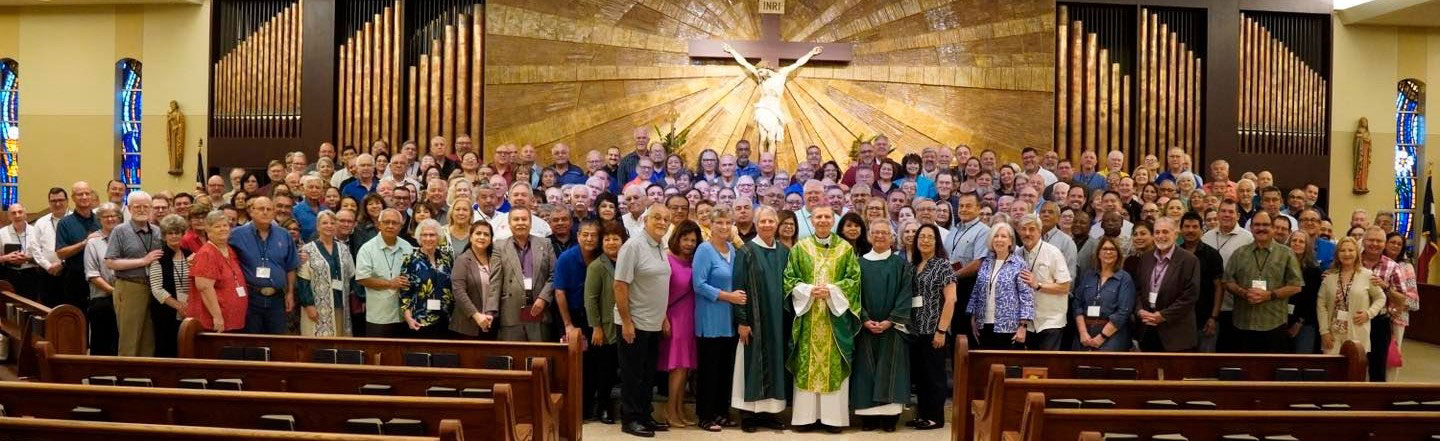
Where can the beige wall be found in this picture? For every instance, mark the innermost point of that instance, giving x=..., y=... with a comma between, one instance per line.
x=1369, y=61
x=67, y=59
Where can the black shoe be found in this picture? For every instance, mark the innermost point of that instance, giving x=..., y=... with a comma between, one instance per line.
x=833, y=429
x=928, y=425
x=772, y=422
x=605, y=417
x=656, y=426
x=637, y=429
x=749, y=425
x=914, y=422
x=867, y=424
x=888, y=427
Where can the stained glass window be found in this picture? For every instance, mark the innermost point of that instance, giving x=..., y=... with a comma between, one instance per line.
x=128, y=116
x=9, y=132
x=1409, y=140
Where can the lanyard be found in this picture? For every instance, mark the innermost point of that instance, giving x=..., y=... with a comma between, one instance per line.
x=262, y=244
x=1261, y=267
x=229, y=270
x=1031, y=257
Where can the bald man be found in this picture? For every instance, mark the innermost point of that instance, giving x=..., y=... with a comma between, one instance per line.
x=566, y=172
x=70, y=236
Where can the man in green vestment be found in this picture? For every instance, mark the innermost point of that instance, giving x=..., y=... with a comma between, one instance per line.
x=823, y=280
x=881, y=386
x=761, y=386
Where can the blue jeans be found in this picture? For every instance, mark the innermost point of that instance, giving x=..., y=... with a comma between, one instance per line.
x=265, y=315
x=1307, y=341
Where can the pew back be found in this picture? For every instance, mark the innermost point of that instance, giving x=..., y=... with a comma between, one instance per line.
x=482, y=419
x=971, y=366
x=1043, y=424
x=44, y=428
x=534, y=403
x=1005, y=399
x=564, y=358
x=25, y=321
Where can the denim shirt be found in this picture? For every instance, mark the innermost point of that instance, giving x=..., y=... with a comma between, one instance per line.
x=1014, y=301
x=1116, y=297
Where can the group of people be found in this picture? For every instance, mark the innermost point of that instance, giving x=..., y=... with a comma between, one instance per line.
x=824, y=291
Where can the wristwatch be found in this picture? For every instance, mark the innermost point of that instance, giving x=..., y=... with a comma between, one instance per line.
x=943, y=331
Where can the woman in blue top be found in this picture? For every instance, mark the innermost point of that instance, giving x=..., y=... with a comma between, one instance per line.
x=1001, y=306
x=1102, y=302
x=426, y=303
x=910, y=171
x=714, y=332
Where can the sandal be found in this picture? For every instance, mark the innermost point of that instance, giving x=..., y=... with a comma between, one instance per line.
x=711, y=426
x=725, y=421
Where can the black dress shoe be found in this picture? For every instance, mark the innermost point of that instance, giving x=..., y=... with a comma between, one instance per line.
x=656, y=426
x=773, y=423
x=833, y=429
x=637, y=429
x=606, y=418
x=888, y=427
x=748, y=426
x=928, y=425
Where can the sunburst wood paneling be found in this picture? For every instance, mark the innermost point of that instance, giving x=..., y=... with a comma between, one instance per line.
x=588, y=72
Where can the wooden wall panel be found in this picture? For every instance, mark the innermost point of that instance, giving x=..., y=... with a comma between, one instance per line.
x=547, y=64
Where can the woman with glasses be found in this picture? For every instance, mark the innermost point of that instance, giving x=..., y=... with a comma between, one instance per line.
x=1102, y=301
x=170, y=286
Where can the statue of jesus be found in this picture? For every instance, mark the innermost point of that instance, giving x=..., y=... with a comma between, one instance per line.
x=770, y=115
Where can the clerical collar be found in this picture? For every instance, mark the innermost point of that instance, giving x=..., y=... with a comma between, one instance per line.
x=876, y=256
x=762, y=243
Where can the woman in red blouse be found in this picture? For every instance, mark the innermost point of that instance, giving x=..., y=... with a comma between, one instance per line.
x=217, y=279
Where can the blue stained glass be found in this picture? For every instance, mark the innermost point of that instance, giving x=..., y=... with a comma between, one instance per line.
x=1410, y=134
x=129, y=122
x=9, y=133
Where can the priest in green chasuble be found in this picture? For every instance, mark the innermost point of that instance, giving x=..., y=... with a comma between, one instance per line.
x=880, y=386
x=823, y=280
x=761, y=386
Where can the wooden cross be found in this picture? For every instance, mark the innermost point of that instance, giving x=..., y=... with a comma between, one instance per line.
x=770, y=49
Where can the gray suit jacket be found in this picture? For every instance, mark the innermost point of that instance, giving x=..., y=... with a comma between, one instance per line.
x=513, y=296
x=470, y=295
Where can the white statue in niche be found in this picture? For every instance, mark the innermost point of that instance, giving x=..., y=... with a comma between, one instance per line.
x=770, y=115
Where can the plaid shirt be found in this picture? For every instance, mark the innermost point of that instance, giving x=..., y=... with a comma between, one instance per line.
x=1401, y=275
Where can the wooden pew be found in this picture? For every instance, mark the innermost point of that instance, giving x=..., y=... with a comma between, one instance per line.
x=535, y=404
x=565, y=358
x=44, y=428
x=971, y=366
x=1004, y=402
x=481, y=419
x=1041, y=424
x=25, y=321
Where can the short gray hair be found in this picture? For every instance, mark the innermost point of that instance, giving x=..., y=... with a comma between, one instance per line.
x=325, y=214
x=1031, y=218
x=430, y=223
x=135, y=195
x=108, y=207
x=173, y=223
x=216, y=216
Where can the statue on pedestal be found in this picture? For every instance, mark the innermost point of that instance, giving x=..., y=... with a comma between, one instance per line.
x=1362, y=156
x=175, y=138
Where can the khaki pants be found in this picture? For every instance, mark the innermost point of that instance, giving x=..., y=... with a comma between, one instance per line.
x=132, y=314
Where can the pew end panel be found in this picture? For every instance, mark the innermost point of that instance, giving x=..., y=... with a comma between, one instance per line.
x=32, y=322
x=960, y=396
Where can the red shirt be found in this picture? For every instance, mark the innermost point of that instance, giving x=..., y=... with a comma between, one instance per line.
x=210, y=264
x=192, y=242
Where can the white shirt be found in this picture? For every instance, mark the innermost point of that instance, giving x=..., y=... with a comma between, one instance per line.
x=1227, y=243
x=501, y=224
x=42, y=241
x=1048, y=265
x=633, y=224
x=9, y=236
x=340, y=175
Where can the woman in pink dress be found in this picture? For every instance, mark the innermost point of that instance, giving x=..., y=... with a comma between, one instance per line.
x=677, y=347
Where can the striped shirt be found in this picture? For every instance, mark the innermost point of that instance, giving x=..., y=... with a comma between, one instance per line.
x=182, y=281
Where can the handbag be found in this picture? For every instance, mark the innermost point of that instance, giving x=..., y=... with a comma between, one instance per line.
x=1394, y=359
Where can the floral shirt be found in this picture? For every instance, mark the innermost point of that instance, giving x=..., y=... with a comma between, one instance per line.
x=1014, y=301
x=428, y=299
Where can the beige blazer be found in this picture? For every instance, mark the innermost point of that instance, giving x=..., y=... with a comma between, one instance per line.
x=1363, y=296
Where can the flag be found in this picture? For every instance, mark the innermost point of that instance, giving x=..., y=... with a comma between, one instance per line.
x=1427, y=267
x=200, y=167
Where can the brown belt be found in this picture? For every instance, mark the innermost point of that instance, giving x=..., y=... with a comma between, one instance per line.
x=1091, y=322
x=267, y=291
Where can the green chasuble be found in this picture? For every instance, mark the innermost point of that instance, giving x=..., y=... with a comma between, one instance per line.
x=758, y=272
x=882, y=361
x=822, y=345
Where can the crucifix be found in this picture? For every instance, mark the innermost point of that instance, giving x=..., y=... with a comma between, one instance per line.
x=770, y=114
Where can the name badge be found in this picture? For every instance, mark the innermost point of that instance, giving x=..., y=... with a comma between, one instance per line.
x=616, y=312
x=240, y=291
x=1093, y=311
x=1258, y=284
x=917, y=301
x=262, y=272
x=1154, y=296
x=529, y=283
x=432, y=304
x=1290, y=309
x=1342, y=315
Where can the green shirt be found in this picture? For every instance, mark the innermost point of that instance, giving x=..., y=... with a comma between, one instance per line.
x=1274, y=264
x=378, y=260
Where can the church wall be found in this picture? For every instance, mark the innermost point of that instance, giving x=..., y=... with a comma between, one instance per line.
x=67, y=57
x=1369, y=61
